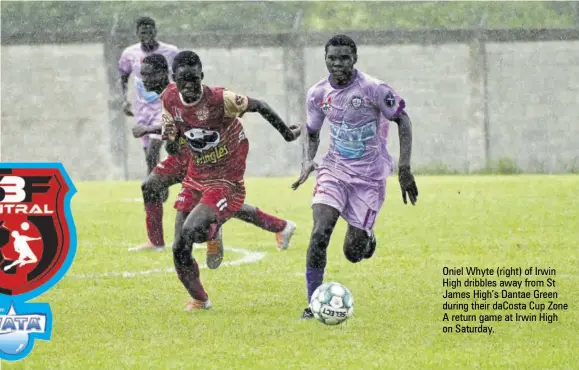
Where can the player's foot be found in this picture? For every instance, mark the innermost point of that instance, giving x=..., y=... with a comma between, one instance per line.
x=196, y=304
x=147, y=247
x=283, y=237
x=215, y=251
x=370, y=248
x=308, y=314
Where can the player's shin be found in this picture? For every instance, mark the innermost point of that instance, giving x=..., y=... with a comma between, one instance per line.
x=265, y=221
x=187, y=268
x=316, y=262
x=153, y=212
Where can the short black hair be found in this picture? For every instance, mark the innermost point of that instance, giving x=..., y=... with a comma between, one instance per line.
x=186, y=58
x=157, y=61
x=342, y=40
x=145, y=21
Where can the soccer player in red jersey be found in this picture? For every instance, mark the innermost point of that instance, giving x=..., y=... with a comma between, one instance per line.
x=171, y=171
x=213, y=190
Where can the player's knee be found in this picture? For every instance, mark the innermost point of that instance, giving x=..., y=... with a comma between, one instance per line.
x=321, y=235
x=152, y=191
x=197, y=232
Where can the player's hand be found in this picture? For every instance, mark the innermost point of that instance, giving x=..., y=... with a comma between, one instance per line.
x=407, y=185
x=307, y=168
x=139, y=131
x=296, y=131
x=127, y=108
x=170, y=131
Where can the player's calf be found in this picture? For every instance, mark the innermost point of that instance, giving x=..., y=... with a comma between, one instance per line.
x=187, y=268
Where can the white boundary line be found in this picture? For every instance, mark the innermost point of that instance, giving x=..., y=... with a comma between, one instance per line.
x=247, y=257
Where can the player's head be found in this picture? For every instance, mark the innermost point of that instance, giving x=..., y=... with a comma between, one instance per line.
x=341, y=56
x=188, y=74
x=155, y=72
x=146, y=30
x=15, y=234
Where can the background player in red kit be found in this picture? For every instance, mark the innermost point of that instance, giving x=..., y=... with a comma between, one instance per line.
x=213, y=190
x=155, y=75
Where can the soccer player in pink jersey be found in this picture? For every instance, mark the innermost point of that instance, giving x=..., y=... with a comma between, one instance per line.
x=351, y=178
x=146, y=104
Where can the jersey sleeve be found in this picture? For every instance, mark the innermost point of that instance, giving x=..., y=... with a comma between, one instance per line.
x=388, y=101
x=125, y=65
x=314, y=115
x=234, y=104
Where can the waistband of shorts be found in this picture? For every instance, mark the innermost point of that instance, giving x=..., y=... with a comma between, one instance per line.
x=205, y=183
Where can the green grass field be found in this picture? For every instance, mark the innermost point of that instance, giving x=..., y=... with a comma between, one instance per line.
x=136, y=321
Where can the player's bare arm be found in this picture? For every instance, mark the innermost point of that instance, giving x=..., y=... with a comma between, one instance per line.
x=405, y=176
x=267, y=112
x=140, y=130
x=125, y=88
x=310, y=146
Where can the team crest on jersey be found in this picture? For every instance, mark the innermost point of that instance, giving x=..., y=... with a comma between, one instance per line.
x=357, y=102
x=389, y=99
x=326, y=105
x=37, y=246
x=202, y=113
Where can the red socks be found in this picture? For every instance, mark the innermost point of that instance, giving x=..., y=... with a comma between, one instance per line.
x=269, y=222
x=154, y=219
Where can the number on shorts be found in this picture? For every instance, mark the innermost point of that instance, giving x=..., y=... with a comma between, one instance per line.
x=370, y=218
x=222, y=204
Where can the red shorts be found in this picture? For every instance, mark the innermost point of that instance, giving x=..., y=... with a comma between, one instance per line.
x=225, y=198
x=174, y=167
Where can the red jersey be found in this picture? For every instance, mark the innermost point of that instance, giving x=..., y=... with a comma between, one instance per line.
x=213, y=135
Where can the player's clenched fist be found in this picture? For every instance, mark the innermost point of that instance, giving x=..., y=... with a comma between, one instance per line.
x=296, y=131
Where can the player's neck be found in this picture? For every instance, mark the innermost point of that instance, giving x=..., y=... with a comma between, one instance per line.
x=151, y=46
x=193, y=100
x=345, y=82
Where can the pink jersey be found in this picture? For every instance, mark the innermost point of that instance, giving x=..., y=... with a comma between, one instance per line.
x=147, y=104
x=358, y=132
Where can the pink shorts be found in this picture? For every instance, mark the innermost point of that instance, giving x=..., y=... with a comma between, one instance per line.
x=358, y=202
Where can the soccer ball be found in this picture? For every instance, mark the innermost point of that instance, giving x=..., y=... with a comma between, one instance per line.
x=332, y=303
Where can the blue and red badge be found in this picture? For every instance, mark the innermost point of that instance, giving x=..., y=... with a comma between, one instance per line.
x=37, y=247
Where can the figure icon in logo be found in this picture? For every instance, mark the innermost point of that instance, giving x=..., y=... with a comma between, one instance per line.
x=25, y=254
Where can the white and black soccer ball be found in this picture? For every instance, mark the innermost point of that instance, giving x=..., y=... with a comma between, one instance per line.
x=332, y=303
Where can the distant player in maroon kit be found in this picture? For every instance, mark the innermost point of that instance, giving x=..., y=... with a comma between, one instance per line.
x=213, y=190
x=171, y=171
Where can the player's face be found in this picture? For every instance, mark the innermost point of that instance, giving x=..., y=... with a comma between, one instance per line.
x=340, y=61
x=153, y=78
x=188, y=80
x=146, y=33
